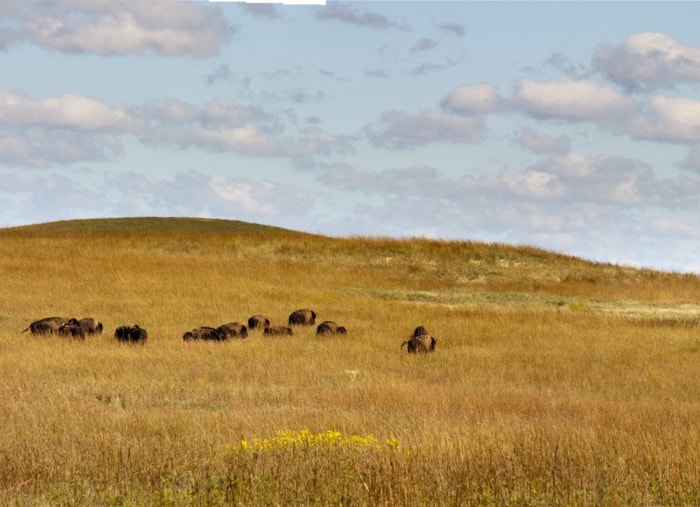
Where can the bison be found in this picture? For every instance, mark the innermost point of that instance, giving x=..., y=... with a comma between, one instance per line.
x=131, y=334
x=88, y=325
x=421, y=341
x=303, y=317
x=204, y=333
x=258, y=322
x=330, y=327
x=234, y=330
x=278, y=331
x=72, y=328
x=48, y=325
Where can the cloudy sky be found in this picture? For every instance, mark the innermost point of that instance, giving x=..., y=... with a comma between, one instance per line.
x=572, y=126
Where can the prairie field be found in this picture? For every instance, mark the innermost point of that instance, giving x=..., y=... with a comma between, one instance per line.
x=555, y=381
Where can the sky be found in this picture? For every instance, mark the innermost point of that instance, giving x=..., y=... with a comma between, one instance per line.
x=569, y=126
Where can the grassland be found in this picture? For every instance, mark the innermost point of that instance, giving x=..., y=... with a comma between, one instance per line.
x=555, y=381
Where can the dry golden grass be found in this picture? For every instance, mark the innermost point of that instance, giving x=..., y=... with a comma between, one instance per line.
x=555, y=381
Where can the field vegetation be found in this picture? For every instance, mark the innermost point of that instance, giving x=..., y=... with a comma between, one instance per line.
x=556, y=381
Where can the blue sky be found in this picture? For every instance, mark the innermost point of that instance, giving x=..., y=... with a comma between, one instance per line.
x=572, y=126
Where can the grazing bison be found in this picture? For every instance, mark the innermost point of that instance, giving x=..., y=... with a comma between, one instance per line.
x=48, y=325
x=304, y=317
x=258, y=322
x=204, y=333
x=88, y=324
x=73, y=329
x=233, y=330
x=421, y=341
x=330, y=327
x=278, y=331
x=131, y=334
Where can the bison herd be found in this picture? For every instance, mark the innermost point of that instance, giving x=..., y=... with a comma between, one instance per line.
x=419, y=342
x=67, y=327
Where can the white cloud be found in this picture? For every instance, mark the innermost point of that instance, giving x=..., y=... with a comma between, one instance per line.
x=400, y=130
x=595, y=206
x=198, y=194
x=69, y=128
x=573, y=100
x=675, y=119
x=242, y=194
x=224, y=125
x=129, y=27
x=648, y=60
x=66, y=111
x=533, y=185
x=475, y=99
x=604, y=180
x=60, y=130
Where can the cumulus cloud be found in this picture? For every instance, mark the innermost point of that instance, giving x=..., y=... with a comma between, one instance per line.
x=260, y=199
x=475, y=99
x=562, y=201
x=70, y=195
x=674, y=119
x=60, y=130
x=68, y=111
x=570, y=99
x=605, y=180
x=596, y=206
x=198, y=194
x=130, y=27
x=400, y=130
x=570, y=179
x=224, y=125
x=39, y=148
x=70, y=128
x=648, y=60
x=655, y=117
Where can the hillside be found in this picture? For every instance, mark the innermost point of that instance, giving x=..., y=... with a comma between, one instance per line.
x=555, y=381
x=446, y=272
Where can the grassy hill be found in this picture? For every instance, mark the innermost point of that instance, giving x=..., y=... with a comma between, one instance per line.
x=555, y=380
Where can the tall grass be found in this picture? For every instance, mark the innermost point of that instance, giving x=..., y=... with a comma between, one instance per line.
x=555, y=381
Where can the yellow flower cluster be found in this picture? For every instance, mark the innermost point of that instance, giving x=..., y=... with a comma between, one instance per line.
x=304, y=439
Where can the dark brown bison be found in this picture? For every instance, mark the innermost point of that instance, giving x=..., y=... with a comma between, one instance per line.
x=278, y=331
x=48, y=325
x=73, y=329
x=234, y=330
x=330, y=327
x=304, y=317
x=421, y=341
x=88, y=324
x=258, y=322
x=131, y=334
x=420, y=331
x=204, y=333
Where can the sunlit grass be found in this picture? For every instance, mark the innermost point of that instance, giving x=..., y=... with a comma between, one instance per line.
x=555, y=381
